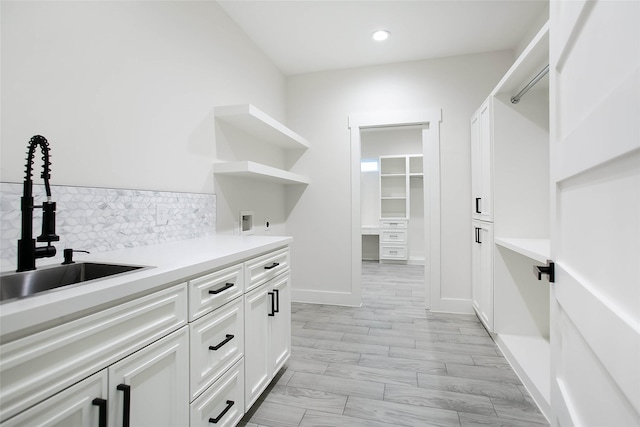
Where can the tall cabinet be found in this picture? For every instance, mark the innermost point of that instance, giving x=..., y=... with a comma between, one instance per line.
x=510, y=218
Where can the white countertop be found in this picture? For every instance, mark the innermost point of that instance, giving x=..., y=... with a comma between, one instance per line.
x=173, y=262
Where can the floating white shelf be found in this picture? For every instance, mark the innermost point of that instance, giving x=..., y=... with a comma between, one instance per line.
x=530, y=358
x=250, y=169
x=536, y=249
x=253, y=121
x=528, y=65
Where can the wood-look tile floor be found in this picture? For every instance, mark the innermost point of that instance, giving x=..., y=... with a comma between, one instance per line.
x=392, y=363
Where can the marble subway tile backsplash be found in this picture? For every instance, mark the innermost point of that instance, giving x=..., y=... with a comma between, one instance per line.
x=102, y=219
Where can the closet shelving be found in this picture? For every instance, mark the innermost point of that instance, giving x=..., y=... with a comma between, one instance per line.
x=258, y=125
x=519, y=165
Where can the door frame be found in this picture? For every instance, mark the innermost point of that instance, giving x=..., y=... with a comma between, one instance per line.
x=430, y=121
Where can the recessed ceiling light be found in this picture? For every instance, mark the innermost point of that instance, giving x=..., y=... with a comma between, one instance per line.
x=380, y=35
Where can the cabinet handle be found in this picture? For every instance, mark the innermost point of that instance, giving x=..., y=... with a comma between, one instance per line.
x=102, y=411
x=224, y=411
x=478, y=235
x=478, y=204
x=549, y=269
x=224, y=288
x=269, y=267
x=277, y=297
x=273, y=300
x=228, y=338
x=126, y=410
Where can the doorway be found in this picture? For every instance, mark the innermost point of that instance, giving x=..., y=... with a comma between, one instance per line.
x=429, y=122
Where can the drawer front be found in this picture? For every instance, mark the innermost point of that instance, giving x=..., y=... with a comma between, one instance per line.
x=217, y=342
x=223, y=402
x=393, y=252
x=393, y=236
x=393, y=223
x=38, y=366
x=265, y=267
x=213, y=290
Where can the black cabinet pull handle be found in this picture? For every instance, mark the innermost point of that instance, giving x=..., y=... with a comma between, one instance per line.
x=126, y=410
x=228, y=338
x=102, y=411
x=224, y=288
x=224, y=411
x=478, y=204
x=549, y=269
x=273, y=300
x=277, y=297
x=478, y=235
x=269, y=267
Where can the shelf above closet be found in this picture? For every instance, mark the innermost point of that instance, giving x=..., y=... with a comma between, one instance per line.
x=250, y=169
x=536, y=249
x=532, y=60
x=260, y=125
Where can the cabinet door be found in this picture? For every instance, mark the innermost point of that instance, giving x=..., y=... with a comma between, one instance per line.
x=258, y=366
x=281, y=322
x=482, y=273
x=482, y=163
x=81, y=405
x=152, y=384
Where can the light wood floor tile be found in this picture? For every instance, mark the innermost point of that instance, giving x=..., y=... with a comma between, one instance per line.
x=307, y=399
x=274, y=415
x=322, y=419
x=483, y=373
x=353, y=347
x=366, y=373
x=470, y=386
x=410, y=365
x=344, y=386
x=397, y=414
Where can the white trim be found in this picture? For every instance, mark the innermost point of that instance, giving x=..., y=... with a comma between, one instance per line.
x=323, y=297
x=430, y=119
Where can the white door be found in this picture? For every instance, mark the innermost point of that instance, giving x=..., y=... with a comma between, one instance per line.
x=151, y=386
x=281, y=322
x=258, y=311
x=595, y=177
x=482, y=272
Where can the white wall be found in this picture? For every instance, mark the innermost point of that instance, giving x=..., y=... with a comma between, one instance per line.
x=124, y=91
x=318, y=106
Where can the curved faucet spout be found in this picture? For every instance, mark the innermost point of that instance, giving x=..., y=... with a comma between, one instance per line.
x=27, y=250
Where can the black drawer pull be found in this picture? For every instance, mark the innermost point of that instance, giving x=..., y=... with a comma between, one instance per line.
x=273, y=301
x=224, y=411
x=269, y=267
x=478, y=235
x=277, y=297
x=102, y=408
x=126, y=410
x=228, y=338
x=224, y=288
x=478, y=204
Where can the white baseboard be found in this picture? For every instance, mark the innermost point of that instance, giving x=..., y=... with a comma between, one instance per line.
x=452, y=305
x=322, y=297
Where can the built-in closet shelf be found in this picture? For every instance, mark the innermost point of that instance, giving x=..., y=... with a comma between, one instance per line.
x=250, y=169
x=536, y=249
x=254, y=122
x=532, y=60
x=530, y=358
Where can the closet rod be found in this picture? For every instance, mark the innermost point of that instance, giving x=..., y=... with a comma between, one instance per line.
x=515, y=99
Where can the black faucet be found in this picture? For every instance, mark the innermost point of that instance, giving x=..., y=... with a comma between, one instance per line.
x=27, y=250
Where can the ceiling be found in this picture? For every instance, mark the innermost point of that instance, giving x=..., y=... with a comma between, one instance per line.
x=302, y=36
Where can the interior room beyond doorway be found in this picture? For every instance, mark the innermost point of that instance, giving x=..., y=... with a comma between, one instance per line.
x=392, y=195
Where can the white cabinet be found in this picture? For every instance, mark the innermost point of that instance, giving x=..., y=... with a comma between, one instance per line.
x=265, y=160
x=81, y=405
x=268, y=334
x=223, y=403
x=150, y=387
x=482, y=272
x=397, y=174
x=482, y=162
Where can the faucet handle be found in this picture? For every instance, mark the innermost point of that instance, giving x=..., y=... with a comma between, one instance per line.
x=68, y=255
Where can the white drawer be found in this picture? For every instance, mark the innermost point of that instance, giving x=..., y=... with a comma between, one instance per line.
x=393, y=236
x=213, y=290
x=216, y=343
x=393, y=223
x=222, y=402
x=393, y=252
x=265, y=267
x=35, y=367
